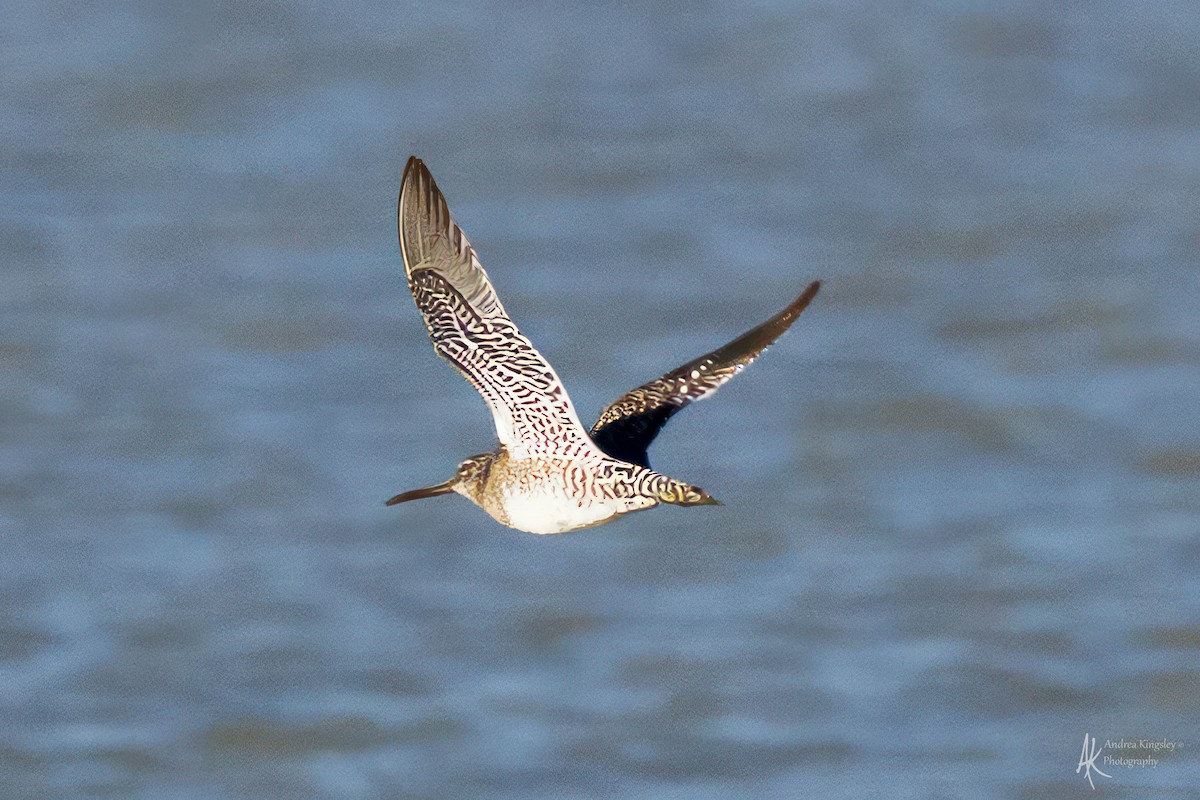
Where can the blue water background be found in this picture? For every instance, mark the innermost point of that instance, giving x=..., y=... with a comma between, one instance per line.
x=962, y=520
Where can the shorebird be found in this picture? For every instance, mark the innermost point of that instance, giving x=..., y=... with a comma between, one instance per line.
x=549, y=474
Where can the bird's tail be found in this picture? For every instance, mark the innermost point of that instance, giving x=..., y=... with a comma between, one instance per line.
x=428, y=491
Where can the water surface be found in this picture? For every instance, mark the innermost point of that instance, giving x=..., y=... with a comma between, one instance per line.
x=961, y=512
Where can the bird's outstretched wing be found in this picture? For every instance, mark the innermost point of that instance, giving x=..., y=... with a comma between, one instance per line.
x=470, y=329
x=628, y=426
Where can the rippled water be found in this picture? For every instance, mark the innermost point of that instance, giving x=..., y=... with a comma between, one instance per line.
x=962, y=520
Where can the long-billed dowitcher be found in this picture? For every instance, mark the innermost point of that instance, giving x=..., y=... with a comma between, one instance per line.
x=549, y=474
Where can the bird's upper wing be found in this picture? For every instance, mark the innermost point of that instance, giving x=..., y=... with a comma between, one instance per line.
x=470, y=329
x=628, y=426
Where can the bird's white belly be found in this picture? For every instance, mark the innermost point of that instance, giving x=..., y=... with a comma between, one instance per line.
x=538, y=512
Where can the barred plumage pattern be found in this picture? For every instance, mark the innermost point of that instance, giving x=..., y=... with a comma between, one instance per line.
x=549, y=475
x=627, y=427
x=533, y=414
x=554, y=494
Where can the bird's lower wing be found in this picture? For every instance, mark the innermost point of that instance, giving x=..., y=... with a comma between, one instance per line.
x=470, y=328
x=628, y=426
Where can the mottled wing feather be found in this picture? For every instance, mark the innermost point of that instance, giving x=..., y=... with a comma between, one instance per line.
x=628, y=426
x=470, y=329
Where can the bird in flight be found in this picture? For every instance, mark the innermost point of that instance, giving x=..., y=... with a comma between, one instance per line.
x=549, y=474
